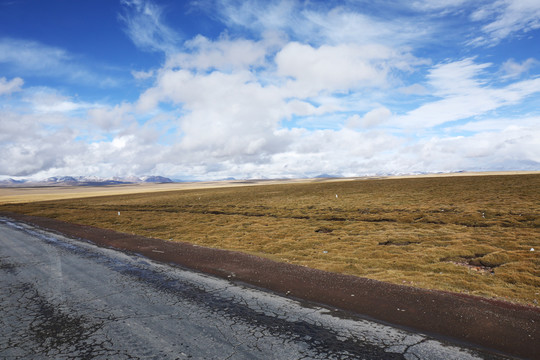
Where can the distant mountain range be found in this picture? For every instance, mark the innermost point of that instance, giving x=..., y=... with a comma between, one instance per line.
x=85, y=181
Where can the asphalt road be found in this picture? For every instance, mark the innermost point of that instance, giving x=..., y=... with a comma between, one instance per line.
x=63, y=298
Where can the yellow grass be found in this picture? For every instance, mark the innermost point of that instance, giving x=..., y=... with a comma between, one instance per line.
x=470, y=234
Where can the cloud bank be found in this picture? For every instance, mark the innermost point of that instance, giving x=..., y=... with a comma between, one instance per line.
x=287, y=89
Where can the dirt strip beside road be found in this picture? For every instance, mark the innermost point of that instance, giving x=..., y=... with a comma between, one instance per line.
x=506, y=327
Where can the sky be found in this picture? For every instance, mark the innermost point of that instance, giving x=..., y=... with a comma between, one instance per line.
x=209, y=90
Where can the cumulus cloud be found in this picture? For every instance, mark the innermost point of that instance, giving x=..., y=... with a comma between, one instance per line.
x=224, y=54
x=31, y=142
x=45, y=133
x=232, y=114
x=308, y=153
x=111, y=118
x=123, y=154
x=9, y=86
x=42, y=144
x=226, y=114
x=233, y=110
x=332, y=68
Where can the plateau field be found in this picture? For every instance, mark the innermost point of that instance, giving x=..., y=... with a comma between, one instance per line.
x=476, y=235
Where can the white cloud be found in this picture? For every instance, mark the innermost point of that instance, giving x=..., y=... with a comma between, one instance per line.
x=236, y=112
x=11, y=86
x=261, y=15
x=232, y=118
x=319, y=23
x=514, y=69
x=340, y=26
x=195, y=90
x=456, y=77
x=464, y=94
x=111, y=119
x=372, y=118
x=142, y=75
x=14, y=126
x=499, y=124
x=44, y=132
x=414, y=89
x=304, y=108
x=46, y=100
x=506, y=18
x=41, y=144
x=332, y=68
x=121, y=155
x=244, y=114
x=308, y=153
x=309, y=88
x=225, y=115
x=224, y=54
x=337, y=152
x=32, y=58
x=431, y=5
x=27, y=159
x=403, y=27
x=146, y=28
x=33, y=142
x=508, y=149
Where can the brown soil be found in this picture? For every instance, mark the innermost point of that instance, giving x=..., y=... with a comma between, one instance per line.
x=506, y=327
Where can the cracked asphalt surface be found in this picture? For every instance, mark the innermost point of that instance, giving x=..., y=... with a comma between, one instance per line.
x=63, y=298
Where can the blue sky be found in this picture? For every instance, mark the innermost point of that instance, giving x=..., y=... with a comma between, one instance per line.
x=268, y=89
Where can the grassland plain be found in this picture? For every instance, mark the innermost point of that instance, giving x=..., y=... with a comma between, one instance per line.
x=467, y=234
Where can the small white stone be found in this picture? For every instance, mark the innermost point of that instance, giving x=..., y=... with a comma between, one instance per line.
x=532, y=249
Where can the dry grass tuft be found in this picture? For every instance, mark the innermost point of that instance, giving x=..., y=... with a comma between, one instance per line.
x=463, y=234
